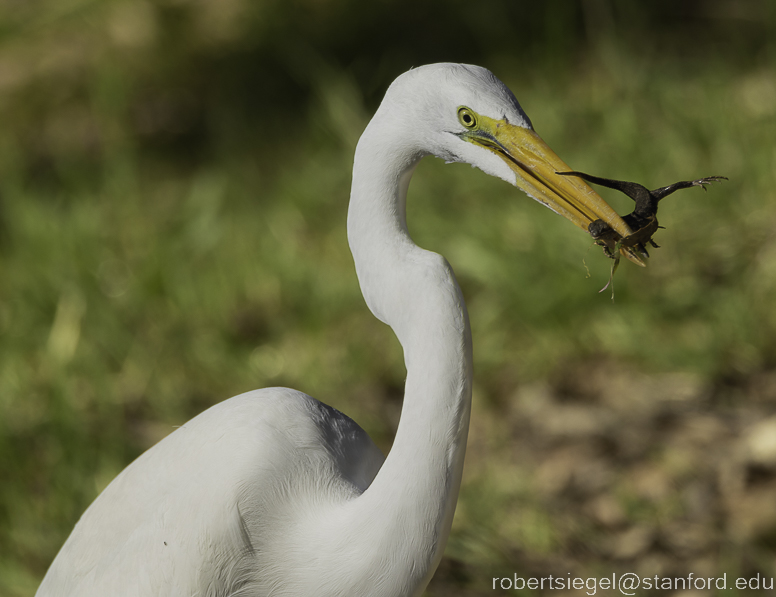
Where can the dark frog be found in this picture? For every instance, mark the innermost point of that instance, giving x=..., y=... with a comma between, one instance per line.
x=642, y=220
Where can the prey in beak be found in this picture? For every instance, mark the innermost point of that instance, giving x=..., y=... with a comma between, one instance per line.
x=536, y=168
x=643, y=219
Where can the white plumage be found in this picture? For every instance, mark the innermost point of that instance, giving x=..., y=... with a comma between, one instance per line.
x=274, y=493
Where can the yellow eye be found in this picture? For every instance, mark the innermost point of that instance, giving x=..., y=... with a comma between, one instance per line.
x=467, y=118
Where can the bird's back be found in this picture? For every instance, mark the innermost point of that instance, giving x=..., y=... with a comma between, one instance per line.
x=191, y=515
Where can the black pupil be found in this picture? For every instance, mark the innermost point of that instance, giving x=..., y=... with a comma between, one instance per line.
x=467, y=119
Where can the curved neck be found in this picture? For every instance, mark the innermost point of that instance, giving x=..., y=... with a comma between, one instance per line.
x=415, y=292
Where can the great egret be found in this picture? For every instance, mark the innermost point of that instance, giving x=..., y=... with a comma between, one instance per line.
x=275, y=493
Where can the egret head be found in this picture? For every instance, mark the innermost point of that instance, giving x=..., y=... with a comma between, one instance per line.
x=463, y=113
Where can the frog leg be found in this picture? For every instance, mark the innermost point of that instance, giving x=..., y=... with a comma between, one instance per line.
x=658, y=194
x=615, y=265
x=637, y=192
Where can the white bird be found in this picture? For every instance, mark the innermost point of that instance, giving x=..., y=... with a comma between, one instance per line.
x=275, y=493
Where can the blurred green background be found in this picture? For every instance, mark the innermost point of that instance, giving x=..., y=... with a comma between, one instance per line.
x=174, y=179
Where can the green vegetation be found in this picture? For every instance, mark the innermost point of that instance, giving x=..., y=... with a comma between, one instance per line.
x=174, y=178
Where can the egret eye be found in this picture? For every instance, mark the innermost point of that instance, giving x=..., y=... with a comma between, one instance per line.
x=467, y=118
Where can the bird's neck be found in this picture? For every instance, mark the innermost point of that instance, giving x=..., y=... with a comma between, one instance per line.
x=415, y=292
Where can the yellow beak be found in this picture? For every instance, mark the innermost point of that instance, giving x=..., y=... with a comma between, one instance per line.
x=535, y=166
